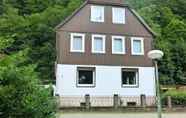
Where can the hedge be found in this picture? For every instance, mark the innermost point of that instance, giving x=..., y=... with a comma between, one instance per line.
x=178, y=97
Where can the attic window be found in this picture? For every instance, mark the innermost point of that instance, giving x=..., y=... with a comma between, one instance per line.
x=97, y=13
x=118, y=15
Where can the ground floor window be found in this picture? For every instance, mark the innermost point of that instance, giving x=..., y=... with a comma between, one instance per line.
x=85, y=77
x=130, y=77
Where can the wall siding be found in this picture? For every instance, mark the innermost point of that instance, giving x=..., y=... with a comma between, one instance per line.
x=108, y=81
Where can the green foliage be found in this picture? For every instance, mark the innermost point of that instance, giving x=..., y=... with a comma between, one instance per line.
x=30, y=24
x=5, y=42
x=178, y=97
x=20, y=93
x=168, y=20
x=174, y=61
x=137, y=4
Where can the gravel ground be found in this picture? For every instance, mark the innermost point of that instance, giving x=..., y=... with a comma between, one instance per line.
x=120, y=115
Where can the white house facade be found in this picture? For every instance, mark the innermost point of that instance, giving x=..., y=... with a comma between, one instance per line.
x=102, y=52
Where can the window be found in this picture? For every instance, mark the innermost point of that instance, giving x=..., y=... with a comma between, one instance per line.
x=86, y=77
x=97, y=13
x=130, y=77
x=77, y=42
x=98, y=43
x=137, y=46
x=118, y=15
x=118, y=45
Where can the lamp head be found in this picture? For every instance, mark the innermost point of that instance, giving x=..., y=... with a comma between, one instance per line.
x=155, y=54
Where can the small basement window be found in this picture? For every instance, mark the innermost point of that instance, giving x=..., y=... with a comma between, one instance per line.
x=130, y=77
x=85, y=77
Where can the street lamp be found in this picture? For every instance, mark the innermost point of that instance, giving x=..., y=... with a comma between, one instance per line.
x=155, y=55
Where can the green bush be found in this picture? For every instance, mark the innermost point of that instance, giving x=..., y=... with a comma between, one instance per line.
x=21, y=95
x=178, y=97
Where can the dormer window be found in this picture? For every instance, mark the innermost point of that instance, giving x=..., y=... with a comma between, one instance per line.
x=118, y=15
x=97, y=13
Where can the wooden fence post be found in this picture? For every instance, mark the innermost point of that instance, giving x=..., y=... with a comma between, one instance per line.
x=87, y=102
x=116, y=101
x=169, y=102
x=143, y=100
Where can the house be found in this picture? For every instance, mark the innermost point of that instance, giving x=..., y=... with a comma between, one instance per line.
x=101, y=52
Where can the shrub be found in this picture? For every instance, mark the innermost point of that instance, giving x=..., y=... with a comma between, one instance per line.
x=178, y=97
x=21, y=95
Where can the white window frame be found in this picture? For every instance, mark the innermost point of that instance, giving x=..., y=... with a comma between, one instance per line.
x=113, y=14
x=142, y=45
x=123, y=44
x=103, y=14
x=103, y=38
x=72, y=42
x=94, y=77
x=137, y=78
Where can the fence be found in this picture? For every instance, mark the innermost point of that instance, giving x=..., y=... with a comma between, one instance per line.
x=115, y=101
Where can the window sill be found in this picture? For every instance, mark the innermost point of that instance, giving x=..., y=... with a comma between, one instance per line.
x=118, y=23
x=137, y=54
x=118, y=53
x=77, y=51
x=130, y=86
x=97, y=21
x=86, y=86
x=98, y=52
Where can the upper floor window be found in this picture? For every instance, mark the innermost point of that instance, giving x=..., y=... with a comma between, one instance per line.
x=137, y=45
x=77, y=42
x=98, y=43
x=118, y=45
x=118, y=15
x=97, y=13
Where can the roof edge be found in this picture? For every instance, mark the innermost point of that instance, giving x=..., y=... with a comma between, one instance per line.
x=70, y=16
x=143, y=22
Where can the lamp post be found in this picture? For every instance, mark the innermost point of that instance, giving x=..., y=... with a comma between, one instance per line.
x=155, y=55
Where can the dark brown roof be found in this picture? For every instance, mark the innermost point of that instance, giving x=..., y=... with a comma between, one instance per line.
x=107, y=2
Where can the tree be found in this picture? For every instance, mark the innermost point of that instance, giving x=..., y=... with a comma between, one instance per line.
x=31, y=24
x=172, y=42
x=20, y=93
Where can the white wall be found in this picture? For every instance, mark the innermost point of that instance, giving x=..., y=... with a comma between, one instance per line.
x=108, y=81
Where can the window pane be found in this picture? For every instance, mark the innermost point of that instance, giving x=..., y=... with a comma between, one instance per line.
x=98, y=44
x=118, y=15
x=77, y=43
x=137, y=46
x=85, y=77
x=129, y=78
x=97, y=13
x=118, y=47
